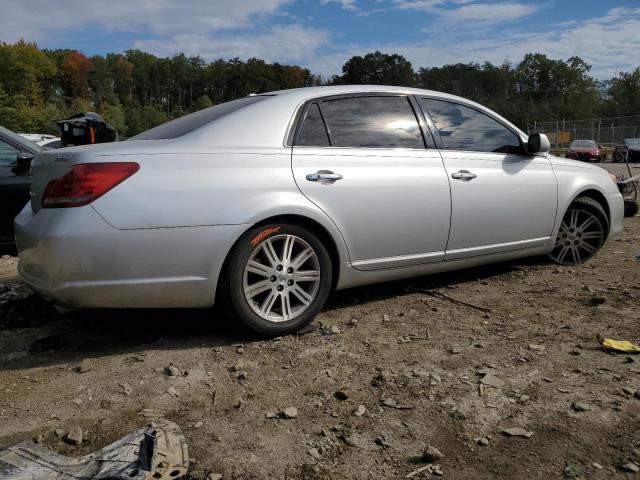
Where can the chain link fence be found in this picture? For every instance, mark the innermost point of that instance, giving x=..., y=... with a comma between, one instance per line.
x=607, y=132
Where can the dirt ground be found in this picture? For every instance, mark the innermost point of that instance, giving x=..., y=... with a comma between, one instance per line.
x=414, y=360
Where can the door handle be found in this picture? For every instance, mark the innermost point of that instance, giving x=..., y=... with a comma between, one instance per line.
x=463, y=175
x=324, y=175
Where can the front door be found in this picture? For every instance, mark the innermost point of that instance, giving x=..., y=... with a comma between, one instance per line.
x=502, y=199
x=363, y=161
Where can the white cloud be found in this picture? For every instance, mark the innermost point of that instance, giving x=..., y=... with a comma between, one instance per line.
x=286, y=44
x=467, y=11
x=37, y=20
x=346, y=4
x=610, y=43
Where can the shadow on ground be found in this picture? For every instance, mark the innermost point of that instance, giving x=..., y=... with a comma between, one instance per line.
x=52, y=338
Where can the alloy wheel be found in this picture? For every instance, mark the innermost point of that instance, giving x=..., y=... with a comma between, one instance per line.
x=281, y=278
x=581, y=235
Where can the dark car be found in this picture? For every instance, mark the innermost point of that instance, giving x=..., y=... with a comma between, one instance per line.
x=585, y=150
x=630, y=146
x=16, y=153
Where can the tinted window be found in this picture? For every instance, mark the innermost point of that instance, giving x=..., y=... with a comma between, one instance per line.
x=313, y=133
x=193, y=121
x=8, y=154
x=382, y=122
x=584, y=144
x=463, y=128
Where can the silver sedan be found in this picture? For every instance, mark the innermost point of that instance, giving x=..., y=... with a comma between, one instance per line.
x=269, y=202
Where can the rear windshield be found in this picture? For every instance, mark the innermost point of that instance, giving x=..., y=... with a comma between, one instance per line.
x=584, y=143
x=193, y=121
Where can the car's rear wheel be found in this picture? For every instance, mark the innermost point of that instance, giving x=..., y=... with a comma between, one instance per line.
x=279, y=277
x=583, y=231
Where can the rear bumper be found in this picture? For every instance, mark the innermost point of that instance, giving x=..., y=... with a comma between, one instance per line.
x=73, y=257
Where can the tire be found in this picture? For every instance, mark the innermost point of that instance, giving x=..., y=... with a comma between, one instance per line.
x=583, y=231
x=274, y=292
x=630, y=208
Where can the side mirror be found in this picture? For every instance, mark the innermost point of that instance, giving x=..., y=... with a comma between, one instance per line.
x=23, y=163
x=538, y=143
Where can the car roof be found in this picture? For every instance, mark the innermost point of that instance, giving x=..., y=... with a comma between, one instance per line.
x=14, y=138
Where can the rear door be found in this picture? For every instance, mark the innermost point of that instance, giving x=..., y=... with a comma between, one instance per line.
x=502, y=199
x=362, y=160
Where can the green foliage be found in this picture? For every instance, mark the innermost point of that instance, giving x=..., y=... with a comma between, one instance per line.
x=135, y=91
x=377, y=69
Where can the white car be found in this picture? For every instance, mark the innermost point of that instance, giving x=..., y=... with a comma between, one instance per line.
x=43, y=139
x=269, y=202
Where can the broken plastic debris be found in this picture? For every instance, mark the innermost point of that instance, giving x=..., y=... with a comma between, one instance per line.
x=157, y=451
x=618, y=345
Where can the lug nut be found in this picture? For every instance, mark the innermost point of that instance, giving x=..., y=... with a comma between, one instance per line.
x=290, y=282
x=280, y=288
x=289, y=270
x=273, y=278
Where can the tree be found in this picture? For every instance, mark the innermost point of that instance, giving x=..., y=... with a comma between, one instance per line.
x=76, y=68
x=378, y=69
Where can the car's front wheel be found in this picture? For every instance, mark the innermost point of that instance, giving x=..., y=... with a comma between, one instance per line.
x=278, y=278
x=583, y=231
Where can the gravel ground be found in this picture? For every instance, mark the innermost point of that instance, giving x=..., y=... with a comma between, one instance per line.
x=447, y=361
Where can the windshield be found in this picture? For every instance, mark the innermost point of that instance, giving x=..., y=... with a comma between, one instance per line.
x=584, y=144
x=187, y=124
x=24, y=144
x=632, y=142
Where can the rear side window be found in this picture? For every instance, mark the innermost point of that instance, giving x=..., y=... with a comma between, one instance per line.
x=313, y=132
x=8, y=154
x=187, y=124
x=374, y=122
x=464, y=128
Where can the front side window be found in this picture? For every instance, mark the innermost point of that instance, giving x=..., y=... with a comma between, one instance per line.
x=464, y=128
x=372, y=122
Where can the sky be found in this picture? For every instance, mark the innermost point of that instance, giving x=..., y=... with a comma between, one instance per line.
x=322, y=34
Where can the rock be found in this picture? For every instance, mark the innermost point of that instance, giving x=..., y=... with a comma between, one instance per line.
x=85, y=366
x=198, y=424
x=390, y=402
x=431, y=454
x=385, y=318
x=361, y=410
x=484, y=441
x=172, y=371
x=382, y=441
x=270, y=414
x=173, y=392
x=289, y=412
x=59, y=432
x=455, y=350
x=74, y=437
x=215, y=476
x=126, y=388
x=516, y=432
x=353, y=322
x=492, y=381
x=523, y=398
x=239, y=366
x=537, y=348
x=334, y=330
x=630, y=467
x=580, y=406
x=628, y=390
x=597, y=465
x=240, y=350
x=314, y=453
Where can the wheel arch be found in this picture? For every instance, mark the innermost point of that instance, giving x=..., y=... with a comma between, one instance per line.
x=597, y=196
x=300, y=220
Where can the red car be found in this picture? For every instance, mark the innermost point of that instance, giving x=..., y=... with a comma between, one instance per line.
x=585, y=150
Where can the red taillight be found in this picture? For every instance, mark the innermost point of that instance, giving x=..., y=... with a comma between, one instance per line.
x=86, y=182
